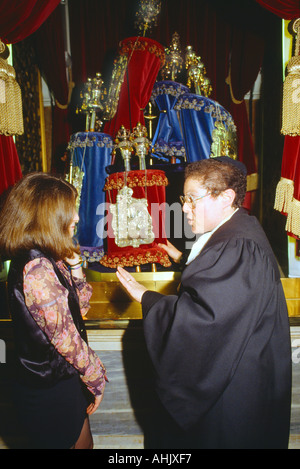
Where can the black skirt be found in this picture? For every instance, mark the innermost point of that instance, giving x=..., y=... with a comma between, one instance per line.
x=53, y=417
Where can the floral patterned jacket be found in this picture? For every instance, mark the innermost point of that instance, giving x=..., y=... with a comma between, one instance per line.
x=47, y=302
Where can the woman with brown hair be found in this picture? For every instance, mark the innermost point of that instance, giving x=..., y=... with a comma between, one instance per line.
x=60, y=379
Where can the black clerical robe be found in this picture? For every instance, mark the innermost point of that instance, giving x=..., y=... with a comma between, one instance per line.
x=221, y=347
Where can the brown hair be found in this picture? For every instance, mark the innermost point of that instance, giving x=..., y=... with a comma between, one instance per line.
x=217, y=176
x=37, y=213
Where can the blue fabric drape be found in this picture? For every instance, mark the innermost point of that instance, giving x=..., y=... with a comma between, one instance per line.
x=168, y=138
x=198, y=117
x=91, y=152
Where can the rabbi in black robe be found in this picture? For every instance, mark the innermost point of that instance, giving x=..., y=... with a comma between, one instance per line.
x=221, y=347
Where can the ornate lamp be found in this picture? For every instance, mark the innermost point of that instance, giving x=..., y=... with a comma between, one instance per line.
x=147, y=15
x=197, y=73
x=141, y=144
x=124, y=145
x=174, y=60
x=93, y=101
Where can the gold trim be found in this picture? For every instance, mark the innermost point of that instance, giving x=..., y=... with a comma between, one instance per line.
x=136, y=179
x=228, y=81
x=71, y=85
x=138, y=256
x=130, y=45
x=112, y=308
x=94, y=276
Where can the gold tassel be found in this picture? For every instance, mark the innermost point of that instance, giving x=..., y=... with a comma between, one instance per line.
x=293, y=218
x=291, y=91
x=11, y=112
x=284, y=195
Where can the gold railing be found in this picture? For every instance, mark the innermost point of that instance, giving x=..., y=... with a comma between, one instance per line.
x=111, y=304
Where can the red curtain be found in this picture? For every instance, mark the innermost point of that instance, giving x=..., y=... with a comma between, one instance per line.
x=285, y=187
x=10, y=170
x=245, y=62
x=96, y=28
x=52, y=64
x=286, y=9
x=18, y=20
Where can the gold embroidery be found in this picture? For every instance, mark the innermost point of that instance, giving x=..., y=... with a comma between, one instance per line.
x=128, y=46
x=138, y=257
x=135, y=180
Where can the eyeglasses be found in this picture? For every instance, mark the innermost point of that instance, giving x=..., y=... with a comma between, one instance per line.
x=191, y=200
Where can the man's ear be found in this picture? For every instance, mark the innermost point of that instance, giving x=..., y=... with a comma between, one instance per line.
x=228, y=197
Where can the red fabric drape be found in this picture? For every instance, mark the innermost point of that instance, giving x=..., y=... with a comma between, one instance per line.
x=247, y=52
x=286, y=9
x=145, y=57
x=287, y=200
x=10, y=170
x=245, y=62
x=293, y=215
x=285, y=187
x=245, y=142
x=18, y=20
x=291, y=151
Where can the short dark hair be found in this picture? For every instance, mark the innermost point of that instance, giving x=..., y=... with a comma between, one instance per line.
x=217, y=176
x=38, y=213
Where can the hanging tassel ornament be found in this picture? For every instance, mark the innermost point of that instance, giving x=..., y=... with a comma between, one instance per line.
x=291, y=90
x=11, y=113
